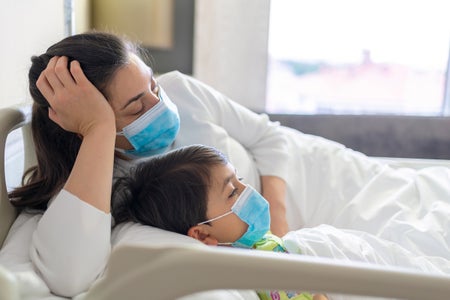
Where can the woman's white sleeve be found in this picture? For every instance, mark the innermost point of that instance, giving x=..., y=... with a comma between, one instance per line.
x=209, y=117
x=71, y=244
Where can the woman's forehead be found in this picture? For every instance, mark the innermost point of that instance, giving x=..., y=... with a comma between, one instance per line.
x=140, y=63
x=129, y=80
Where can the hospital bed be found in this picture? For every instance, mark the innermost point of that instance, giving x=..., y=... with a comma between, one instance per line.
x=172, y=269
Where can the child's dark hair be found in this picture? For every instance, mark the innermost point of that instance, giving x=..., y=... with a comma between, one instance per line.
x=168, y=191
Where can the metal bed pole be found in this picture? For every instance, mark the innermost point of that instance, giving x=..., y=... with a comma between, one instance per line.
x=69, y=18
x=446, y=102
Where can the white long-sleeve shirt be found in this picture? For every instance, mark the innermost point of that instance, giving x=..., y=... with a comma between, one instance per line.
x=71, y=244
x=253, y=144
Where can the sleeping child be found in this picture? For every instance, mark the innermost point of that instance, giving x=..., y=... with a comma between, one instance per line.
x=196, y=191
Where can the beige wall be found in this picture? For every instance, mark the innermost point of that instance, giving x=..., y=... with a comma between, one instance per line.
x=230, y=48
x=230, y=44
x=28, y=27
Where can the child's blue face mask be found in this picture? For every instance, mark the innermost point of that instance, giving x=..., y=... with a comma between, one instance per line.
x=252, y=209
x=154, y=131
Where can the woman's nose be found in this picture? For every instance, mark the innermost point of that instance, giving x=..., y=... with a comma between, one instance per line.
x=153, y=98
x=241, y=186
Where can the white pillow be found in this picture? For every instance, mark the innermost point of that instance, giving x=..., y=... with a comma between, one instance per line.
x=130, y=232
x=133, y=233
x=14, y=253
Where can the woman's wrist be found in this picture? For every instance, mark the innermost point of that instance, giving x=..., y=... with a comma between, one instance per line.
x=91, y=176
x=106, y=127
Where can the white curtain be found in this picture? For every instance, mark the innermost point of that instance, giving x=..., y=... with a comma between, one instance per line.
x=230, y=48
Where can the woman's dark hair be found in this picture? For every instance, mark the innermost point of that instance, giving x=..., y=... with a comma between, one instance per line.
x=100, y=56
x=169, y=191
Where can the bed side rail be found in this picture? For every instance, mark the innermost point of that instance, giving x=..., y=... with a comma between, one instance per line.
x=175, y=271
x=12, y=118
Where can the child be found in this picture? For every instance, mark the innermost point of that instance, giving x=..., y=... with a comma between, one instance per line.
x=195, y=191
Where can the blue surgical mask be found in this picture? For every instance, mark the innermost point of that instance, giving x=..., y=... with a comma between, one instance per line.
x=252, y=209
x=154, y=131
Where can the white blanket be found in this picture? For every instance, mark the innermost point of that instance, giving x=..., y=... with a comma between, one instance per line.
x=357, y=246
x=331, y=184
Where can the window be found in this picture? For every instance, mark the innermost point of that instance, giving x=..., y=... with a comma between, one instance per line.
x=358, y=56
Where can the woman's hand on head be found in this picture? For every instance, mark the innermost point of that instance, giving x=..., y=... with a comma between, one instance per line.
x=75, y=103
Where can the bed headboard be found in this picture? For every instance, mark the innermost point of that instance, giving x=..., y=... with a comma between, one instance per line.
x=13, y=119
x=379, y=135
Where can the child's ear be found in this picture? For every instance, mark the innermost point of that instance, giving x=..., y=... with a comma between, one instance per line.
x=201, y=233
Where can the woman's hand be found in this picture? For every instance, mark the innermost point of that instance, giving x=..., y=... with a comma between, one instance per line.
x=75, y=103
x=78, y=106
x=274, y=190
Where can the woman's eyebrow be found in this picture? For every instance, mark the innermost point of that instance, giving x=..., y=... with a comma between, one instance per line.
x=133, y=99
x=150, y=71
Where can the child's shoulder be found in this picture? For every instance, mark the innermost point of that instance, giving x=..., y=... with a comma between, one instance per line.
x=270, y=242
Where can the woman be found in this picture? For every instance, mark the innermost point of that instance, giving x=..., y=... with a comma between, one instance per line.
x=98, y=109
x=91, y=93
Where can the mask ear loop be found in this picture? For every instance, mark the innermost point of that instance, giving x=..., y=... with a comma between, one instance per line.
x=225, y=244
x=216, y=218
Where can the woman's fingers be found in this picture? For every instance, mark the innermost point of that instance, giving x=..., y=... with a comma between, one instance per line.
x=50, y=74
x=54, y=78
x=57, y=75
x=77, y=73
x=75, y=103
x=62, y=72
x=44, y=86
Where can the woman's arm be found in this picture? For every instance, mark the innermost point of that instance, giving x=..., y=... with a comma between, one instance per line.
x=274, y=190
x=77, y=106
x=71, y=244
x=209, y=117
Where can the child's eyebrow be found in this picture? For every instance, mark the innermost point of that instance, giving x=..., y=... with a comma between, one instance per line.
x=228, y=179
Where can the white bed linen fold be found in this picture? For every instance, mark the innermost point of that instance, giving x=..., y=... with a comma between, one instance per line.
x=331, y=184
x=357, y=246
